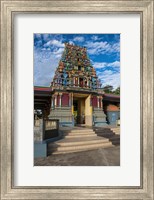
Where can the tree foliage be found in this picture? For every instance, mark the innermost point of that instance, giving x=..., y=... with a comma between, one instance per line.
x=110, y=90
x=117, y=91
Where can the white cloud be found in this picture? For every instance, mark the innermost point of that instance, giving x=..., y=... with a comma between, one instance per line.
x=94, y=37
x=46, y=36
x=102, y=47
x=55, y=43
x=100, y=65
x=114, y=64
x=59, y=51
x=45, y=65
x=38, y=35
x=79, y=39
x=110, y=78
x=43, y=49
x=71, y=42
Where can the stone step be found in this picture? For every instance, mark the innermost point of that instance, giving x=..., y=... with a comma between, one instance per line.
x=103, y=131
x=107, y=135
x=115, y=137
x=79, y=147
x=79, y=136
x=115, y=128
x=116, y=131
x=77, y=150
x=66, y=152
x=81, y=133
x=115, y=141
x=69, y=142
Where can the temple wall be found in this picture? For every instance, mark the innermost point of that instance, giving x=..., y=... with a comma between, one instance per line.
x=63, y=114
x=94, y=101
x=99, y=117
x=65, y=99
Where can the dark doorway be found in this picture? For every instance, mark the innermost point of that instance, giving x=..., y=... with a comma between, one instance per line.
x=75, y=111
x=79, y=111
x=81, y=82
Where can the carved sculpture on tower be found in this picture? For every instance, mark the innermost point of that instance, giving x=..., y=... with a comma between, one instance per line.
x=77, y=94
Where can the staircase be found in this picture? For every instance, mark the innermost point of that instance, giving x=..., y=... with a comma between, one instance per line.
x=116, y=130
x=113, y=134
x=78, y=139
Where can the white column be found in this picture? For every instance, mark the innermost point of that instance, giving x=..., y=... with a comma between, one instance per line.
x=51, y=102
x=87, y=83
x=101, y=102
x=55, y=100
x=73, y=81
x=84, y=83
x=70, y=99
x=78, y=81
x=97, y=102
x=60, y=100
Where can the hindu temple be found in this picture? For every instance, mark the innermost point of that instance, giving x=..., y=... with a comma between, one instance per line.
x=76, y=90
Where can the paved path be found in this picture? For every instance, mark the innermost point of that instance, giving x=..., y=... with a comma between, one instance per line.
x=98, y=157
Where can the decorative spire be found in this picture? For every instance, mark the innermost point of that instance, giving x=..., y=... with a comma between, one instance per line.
x=75, y=69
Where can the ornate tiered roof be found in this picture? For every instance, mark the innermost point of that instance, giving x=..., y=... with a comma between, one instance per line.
x=75, y=69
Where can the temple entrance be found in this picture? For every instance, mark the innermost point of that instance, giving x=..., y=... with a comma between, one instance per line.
x=82, y=109
x=79, y=110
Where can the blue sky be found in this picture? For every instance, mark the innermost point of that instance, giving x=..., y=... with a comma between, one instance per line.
x=103, y=51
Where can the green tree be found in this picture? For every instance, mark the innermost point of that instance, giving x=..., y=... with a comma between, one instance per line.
x=117, y=91
x=108, y=89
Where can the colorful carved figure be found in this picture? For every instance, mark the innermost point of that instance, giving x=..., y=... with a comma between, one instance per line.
x=81, y=94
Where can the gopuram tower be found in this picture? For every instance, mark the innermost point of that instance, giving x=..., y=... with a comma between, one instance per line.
x=77, y=94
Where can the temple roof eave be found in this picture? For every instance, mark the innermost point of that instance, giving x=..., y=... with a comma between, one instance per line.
x=78, y=90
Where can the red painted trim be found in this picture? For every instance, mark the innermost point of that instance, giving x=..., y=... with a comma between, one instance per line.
x=42, y=89
x=111, y=95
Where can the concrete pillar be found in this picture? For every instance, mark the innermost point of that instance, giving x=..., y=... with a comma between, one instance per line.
x=72, y=102
x=39, y=130
x=73, y=81
x=55, y=100
x=60, y=99
x=87, y=83
x=101, y=102
x=51, y=102
x=70, y=99
x=97, y=102
x=88, y=111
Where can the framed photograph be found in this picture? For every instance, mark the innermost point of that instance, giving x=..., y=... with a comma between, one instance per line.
x=75, y=48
